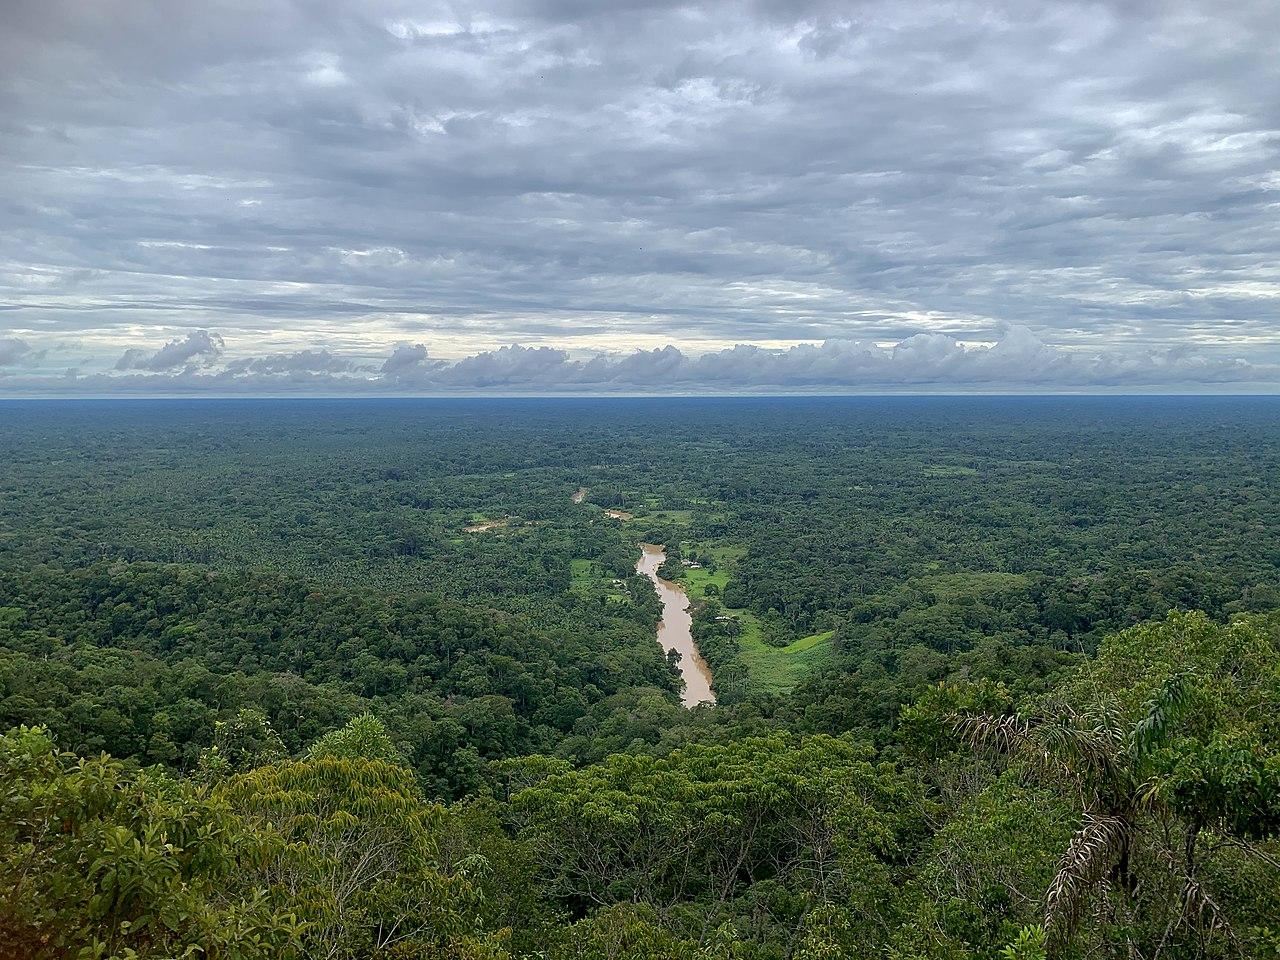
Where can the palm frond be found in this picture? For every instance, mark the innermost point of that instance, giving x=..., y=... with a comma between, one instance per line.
x=1088, y=750
x=1080, y=747
x=1161, y=711
x=1199, y=909
x=1107, y=715
x=1011, y=736
x=1088, y=857
x=1150, y=792
x=997, y=734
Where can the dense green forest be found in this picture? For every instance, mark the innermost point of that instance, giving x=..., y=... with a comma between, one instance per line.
x=996, y=678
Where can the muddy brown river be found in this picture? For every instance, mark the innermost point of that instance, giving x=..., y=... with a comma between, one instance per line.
x=675, y=628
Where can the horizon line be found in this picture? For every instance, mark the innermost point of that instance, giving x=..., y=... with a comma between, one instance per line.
x=992, y=394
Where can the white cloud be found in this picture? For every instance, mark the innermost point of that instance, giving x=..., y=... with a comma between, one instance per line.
x=324, y=70
x=406, y=360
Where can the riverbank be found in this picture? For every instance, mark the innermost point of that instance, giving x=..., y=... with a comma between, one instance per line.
x=675, y=630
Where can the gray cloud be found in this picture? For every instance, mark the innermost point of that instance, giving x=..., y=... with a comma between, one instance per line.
x=12, y=350
x=341, y=176
x=406, y=361
x=928, y=362
x=200, y=346
x=1018, y=359
x=303, y=361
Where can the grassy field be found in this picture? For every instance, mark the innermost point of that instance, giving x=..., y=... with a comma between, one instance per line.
x=779, y=669
x=588, y=580
x=771, y=669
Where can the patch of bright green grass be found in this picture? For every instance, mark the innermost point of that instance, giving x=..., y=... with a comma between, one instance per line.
x=695, y=581
x=779, y=669
x=588, y=580
x=771, y=669
x=580, y=575
x=805, y=644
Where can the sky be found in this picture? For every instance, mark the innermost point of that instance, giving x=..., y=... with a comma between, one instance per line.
x=377, y=196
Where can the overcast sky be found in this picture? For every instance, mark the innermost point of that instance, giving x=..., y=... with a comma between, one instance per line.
x=374, y=195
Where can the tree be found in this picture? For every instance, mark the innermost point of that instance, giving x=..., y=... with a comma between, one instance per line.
x=1141, y=742
x=352, y=845
x=98, y=861
x=364, y=737
x=245, y=741
x=701, y=826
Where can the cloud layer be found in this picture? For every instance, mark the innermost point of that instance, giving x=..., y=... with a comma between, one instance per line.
x=923, y=362
x=320, y=181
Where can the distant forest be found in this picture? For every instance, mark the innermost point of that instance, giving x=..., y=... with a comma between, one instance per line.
x=996, y=678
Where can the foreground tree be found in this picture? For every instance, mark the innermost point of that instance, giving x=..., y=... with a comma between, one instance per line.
x=98, y=861
x=1169, y=746
x=351, y=845
x=364, y=737
x=753, y=835
x=243, y=742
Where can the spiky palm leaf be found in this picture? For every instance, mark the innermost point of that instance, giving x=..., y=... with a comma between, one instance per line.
x=999, y=734
x=1161, y=711
x=1087, y=745
x=1199, y=910
x=1080, y=747
x=1089, y=857
x=1107, y=759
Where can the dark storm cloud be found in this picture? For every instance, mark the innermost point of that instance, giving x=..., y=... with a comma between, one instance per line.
x=318, y=181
